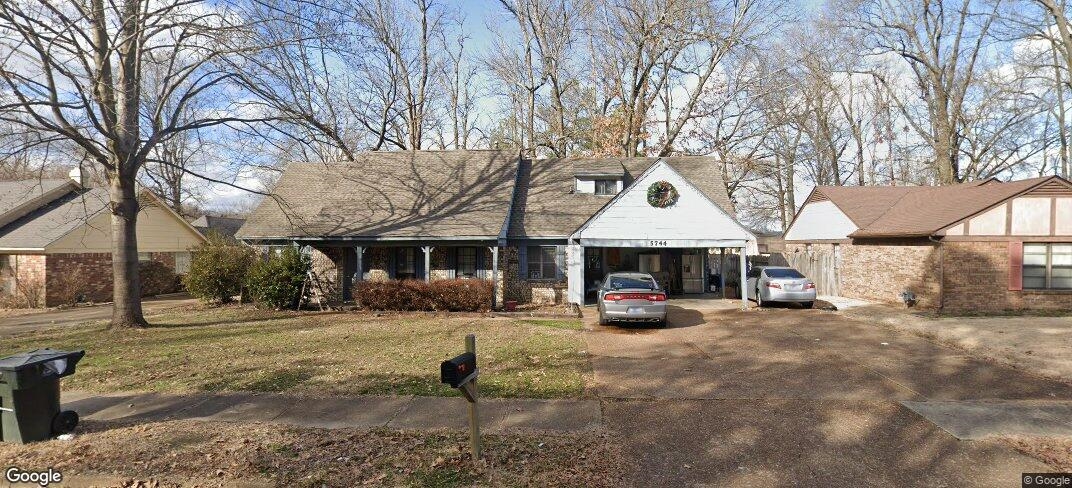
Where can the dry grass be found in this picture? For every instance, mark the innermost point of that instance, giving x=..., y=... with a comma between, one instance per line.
x=240, y=349
x=1055, y=452
x=191, y=453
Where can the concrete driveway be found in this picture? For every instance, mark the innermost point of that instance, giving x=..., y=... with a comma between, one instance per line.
x=792, y=397
x=10, y=326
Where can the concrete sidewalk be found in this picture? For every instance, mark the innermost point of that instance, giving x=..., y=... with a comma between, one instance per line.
x=399, y=412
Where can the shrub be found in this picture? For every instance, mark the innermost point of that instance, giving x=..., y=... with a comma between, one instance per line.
x=156, y=278
x=218, y=269
x=415, y=295
x=277, y=280
x=461, y=295
x=71, y=286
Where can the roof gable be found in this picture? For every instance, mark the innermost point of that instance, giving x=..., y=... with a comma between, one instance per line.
x=693, y=221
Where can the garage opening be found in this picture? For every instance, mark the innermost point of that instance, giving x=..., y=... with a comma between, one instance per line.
x=692, y=272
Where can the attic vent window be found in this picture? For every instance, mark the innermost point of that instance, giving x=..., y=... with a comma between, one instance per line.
x=606, y=187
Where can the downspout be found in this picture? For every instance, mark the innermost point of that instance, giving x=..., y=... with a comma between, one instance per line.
x=941, y=272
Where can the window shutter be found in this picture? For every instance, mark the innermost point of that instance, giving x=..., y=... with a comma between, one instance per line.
x=480, y=267
x=1016, y=266
x=523, y=261
x=418, y=262
x=392, y=260
x=560, y=262
x=452, y=262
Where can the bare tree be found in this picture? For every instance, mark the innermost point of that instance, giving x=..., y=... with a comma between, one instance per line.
x=74, y=71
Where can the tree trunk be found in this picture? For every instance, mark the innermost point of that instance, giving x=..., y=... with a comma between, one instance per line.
x=126, y=310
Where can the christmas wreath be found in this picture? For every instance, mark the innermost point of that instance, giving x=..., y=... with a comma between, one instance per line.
x=662, y=194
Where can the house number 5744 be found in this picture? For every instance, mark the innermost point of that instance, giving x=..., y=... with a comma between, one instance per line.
x=657, y=243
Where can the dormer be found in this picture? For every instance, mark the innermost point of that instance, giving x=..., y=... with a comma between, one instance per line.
x=604, y=178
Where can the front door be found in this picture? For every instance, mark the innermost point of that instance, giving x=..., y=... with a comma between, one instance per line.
x=692, y=273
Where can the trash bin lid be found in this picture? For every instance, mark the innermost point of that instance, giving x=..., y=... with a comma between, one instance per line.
x=33, y=358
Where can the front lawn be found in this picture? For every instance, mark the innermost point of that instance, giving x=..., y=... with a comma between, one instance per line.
x=191, y=453
x=239, y=349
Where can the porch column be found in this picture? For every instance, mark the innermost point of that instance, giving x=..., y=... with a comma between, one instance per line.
x=722, y=271
x=427, y=263
x=575, y=274
x=494, y=276
x=359, y=273
x=744, y=281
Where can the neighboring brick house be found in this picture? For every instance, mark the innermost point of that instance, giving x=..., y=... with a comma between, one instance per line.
x=980, y=246
x=543, y=230
x=55, y=241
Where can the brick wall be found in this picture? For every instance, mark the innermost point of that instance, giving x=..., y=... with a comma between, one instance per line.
x=74, y=276
x=977, y=279
x=879, y=270
x=975, y=274
x=23, y=279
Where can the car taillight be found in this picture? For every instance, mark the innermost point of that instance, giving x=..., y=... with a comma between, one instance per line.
x=612, y=297
x=774, y=285
x=809, y=286
x=657, y=297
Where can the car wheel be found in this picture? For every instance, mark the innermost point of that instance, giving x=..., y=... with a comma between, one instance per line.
x=759, y=299
x=807, y=304
x=602, y=319
x=661, y=324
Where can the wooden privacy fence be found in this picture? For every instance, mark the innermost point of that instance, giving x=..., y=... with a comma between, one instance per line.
x=823, y=266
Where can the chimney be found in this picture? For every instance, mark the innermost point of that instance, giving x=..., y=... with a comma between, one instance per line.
x=78, y=176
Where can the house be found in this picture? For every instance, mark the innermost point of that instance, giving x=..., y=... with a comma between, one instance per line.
x=984, y=245
x=223, y=226
x=56, y=244
x=542, y=230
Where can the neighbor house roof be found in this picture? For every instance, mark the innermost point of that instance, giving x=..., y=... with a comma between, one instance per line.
x=404, y=194
x=17, y=198
x=225, y=226
x=47, y=223
x=547, y=205
x=915, y=211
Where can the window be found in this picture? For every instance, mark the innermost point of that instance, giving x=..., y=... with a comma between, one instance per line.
x=625, y=282
x=182, y=262
x=406, y=264
x=1047, y=266
x=466, y=263
x=787, y=273
x=606, y=187
x=541, y=262
x=145, y=257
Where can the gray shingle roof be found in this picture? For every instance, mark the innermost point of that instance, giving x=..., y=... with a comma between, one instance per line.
x=225, y=226
x=546, y=205
x=391, y=194
x=53, y=220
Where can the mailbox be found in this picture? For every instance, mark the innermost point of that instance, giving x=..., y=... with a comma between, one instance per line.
x=458, y=371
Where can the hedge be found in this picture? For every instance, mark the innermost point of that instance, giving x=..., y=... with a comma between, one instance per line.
x=415, y=295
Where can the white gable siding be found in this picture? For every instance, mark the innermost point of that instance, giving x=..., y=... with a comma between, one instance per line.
x=692, y=218
x=989, y=223
x=158, y=231
x=820, y=221
x=1031, y=216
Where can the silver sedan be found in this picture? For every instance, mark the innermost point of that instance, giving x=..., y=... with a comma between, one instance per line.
x=780, y=284
x=631, y=297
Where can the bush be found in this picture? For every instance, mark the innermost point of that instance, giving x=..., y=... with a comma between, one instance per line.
x=414, y=295
x=156, y=278
x=70, y=287
x=277, y=280
x=218, y=269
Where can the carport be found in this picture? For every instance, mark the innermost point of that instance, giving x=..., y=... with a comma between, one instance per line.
x=692, y=225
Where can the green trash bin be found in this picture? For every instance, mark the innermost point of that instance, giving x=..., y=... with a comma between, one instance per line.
x=30, y=395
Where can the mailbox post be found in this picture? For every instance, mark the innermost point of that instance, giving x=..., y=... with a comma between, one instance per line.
x=461, y=373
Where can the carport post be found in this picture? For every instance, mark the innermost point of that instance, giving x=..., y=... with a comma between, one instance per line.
x=744, y=282
x=722, y=271
x=427, y=263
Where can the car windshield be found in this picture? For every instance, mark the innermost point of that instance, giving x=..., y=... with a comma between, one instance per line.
x=622, y=282
x=784, y=273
